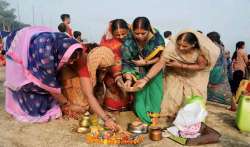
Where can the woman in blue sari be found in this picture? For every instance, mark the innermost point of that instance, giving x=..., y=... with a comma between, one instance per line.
x=37, y=54
x=218, y=87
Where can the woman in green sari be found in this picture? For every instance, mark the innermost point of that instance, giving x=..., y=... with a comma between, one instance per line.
x=140, y=52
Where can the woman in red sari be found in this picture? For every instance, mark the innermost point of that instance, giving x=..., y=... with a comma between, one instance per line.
x=115, y=98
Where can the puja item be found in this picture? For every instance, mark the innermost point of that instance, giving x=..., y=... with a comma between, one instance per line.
x=208, y=136
x=82, y=130
x=154, y=118
x=85, y=121
x=140, y=129
x=84, y=124
x=116, y=138
x=242, y=115
x=155, y=134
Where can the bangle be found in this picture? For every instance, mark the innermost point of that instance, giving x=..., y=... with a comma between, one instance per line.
x=106, y=118
x=146, y=78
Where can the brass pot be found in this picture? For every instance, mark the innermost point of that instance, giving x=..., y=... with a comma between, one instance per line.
x=83, y=130
x=84, y=122
x=155, y=134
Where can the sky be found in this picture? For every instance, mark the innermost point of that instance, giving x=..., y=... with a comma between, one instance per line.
x=231, y=18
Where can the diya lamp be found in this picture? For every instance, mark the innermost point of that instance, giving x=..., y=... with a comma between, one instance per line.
x=154, y=118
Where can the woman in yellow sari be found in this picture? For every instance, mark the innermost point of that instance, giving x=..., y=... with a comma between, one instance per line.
x=189, y=58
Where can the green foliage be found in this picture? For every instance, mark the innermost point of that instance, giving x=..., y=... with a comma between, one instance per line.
x=8, y=17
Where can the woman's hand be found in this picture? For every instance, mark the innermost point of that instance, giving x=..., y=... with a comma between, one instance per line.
x=109, y=123
x=174, y=64
x=140, y=84
x=72, y=110
x=140, y=62
x=128, y=83
x=120, y=83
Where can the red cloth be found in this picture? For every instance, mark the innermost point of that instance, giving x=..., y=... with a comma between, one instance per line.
x=2, y=58
x=114, y=98
x=115, y=45
x=83, y=68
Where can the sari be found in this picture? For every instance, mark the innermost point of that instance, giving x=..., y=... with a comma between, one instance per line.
x=37, y=53
x=2, y=59
x=180, y=84
x=114, y=98
x=218, y=87
x=148, y=100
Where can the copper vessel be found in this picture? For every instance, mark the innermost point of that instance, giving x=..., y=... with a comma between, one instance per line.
x=155, y=134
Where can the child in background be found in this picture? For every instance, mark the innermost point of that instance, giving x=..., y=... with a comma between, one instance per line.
x=66, y=20
x=167, y=36
x=78, y=36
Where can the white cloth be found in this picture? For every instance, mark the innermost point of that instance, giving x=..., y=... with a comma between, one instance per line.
x=188, y=121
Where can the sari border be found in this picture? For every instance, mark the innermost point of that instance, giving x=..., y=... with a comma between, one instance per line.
x=68, y=53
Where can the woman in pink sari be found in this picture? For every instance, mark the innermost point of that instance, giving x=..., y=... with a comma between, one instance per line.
x=33, y=90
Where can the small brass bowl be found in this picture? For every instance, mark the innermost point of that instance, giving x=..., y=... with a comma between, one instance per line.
x=82, y=130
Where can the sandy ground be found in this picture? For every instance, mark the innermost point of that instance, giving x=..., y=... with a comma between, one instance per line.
x=58, y=133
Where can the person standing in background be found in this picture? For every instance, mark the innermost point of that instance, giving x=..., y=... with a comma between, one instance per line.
x=229, y=67
x=218, y=87
x=78, y=36
x=167, y=35
x=66, y=20
x=239, y=64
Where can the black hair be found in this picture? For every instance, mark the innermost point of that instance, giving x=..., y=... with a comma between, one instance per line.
x=118, y=23
x=189, y=38
x=215, y=37
x=77, y=34
x=200, y=31
x=248, y=56
x=76, y=53
x=239, y=45
x=64, y=16
x=3, y=52
x=167, y=34
x=90, y=46
x=62, y=27
x=238, y=75
x=142, y=23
